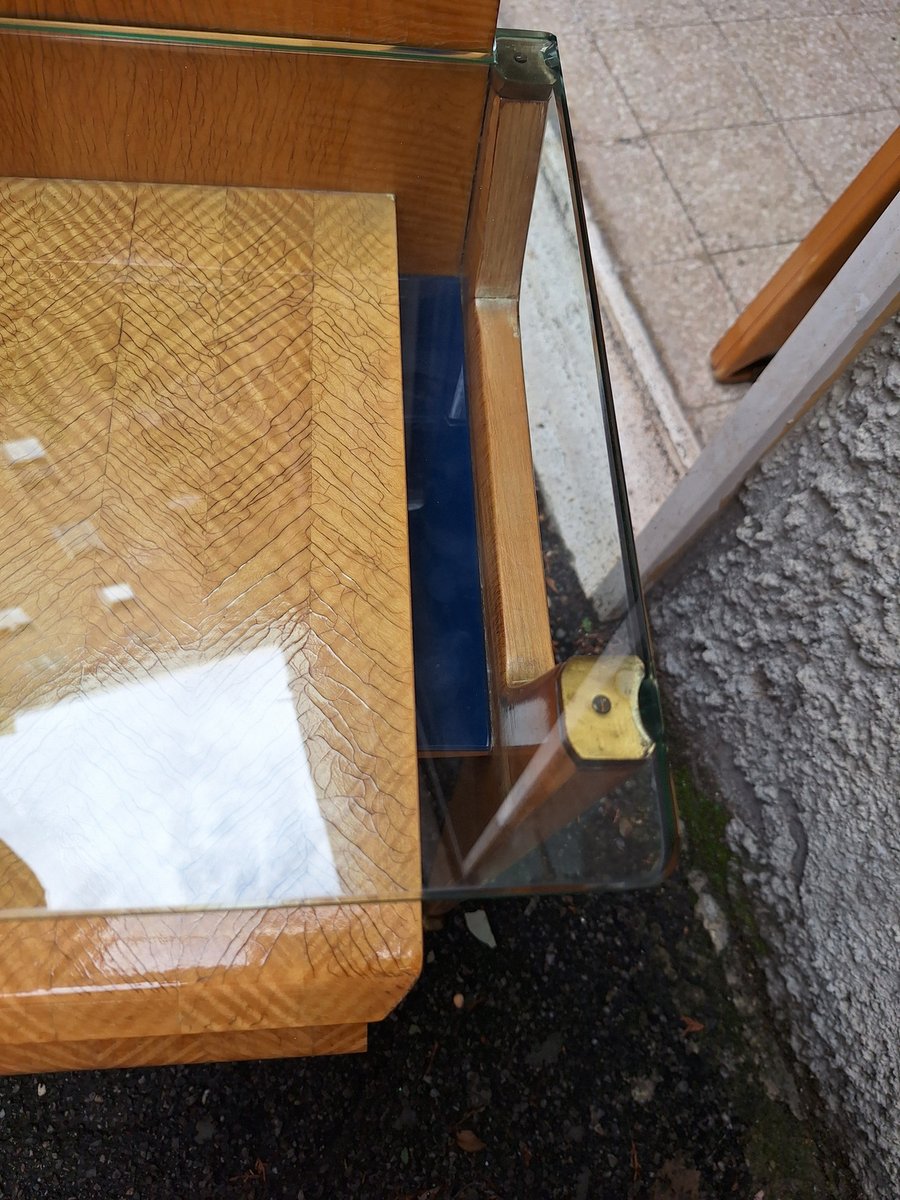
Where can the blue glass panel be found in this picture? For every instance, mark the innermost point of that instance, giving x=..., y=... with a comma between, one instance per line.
x=448, y=621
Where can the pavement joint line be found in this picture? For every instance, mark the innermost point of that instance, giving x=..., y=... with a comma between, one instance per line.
x=621, y=308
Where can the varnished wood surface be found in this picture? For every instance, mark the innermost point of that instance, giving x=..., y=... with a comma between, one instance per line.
x=457, y=24
x=78, y=979
x=79, y=109
x=510, y=802
x=503, y=196
x=766, y=323
x=102, y=1054
x=519, y=647
x=19, y=886
x=512, y=564
x=518, y=642
x=212, y=378
x=201, y=402
x=512, y=567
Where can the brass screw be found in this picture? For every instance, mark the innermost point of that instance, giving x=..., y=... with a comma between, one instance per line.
x=601, y=705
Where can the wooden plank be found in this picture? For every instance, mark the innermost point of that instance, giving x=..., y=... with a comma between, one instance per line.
x=518, y=634
x=203, y=411
x=857, y=302
x=767, y=321
x=519, y=647
x=503, y=195
x=193, y=1048
x=78, y=109
x=461, y=24
x=512, y=565
x=78, y=979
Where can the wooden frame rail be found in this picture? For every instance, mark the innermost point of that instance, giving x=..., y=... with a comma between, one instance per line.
x=456, y=24
x=154, y=112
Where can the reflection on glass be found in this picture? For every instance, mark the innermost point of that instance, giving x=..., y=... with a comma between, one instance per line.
x=565, y=401
x=551, y=818
x=205, y=668
x=189, y=787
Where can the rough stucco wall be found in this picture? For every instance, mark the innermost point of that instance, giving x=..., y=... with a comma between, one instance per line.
x=779, y=640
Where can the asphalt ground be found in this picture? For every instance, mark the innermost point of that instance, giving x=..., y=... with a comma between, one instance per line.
x=595, y=1052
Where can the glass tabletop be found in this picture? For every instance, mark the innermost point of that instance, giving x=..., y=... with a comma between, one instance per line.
x=252, y=636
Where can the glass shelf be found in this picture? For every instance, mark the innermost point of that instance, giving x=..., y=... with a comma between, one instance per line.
x=221, y=400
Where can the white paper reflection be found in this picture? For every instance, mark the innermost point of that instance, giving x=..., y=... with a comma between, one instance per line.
x=190, y=788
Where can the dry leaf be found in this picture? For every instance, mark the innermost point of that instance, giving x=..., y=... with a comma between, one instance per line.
x=469, y=1141
x=676, y=1181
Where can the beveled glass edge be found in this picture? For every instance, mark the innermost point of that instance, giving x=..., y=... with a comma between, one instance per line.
x=212, y=39
x=284, y=43
x=636, y=613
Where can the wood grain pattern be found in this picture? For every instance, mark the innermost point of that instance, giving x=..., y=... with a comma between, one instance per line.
x=519, y=644
x=193, y=1048
x=767, y=322
x=460, y=24
x=201, y=402
x=503, y=196
x=225, y=443
x=19, y=886
x=506, y=804
x=75, y=979
x=512, y=564
x=78, y=109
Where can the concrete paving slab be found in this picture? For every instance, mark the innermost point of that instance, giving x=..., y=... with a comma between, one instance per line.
x=657, y=70
x=806, y=68
x=630, y=14
x=741, y=187
x=636, y=205
x=688, y=306
x=788, y=112
x=835, y=149
x=745, y=272
x=876, y=39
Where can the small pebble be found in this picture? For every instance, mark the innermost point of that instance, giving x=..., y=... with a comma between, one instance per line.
x=643, y=1089
x=459, y=1000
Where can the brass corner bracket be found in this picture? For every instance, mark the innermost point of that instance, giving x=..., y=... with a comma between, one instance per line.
x=599, y=699
x=525, y=66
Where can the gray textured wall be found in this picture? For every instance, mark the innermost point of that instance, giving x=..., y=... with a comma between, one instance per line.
x=779, y=639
